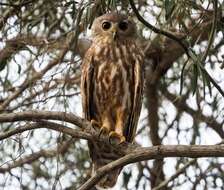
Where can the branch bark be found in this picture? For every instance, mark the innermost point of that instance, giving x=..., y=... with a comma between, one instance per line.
x=35, y=115
x=49, y=125
x=156, y=152
x=152, y=101
x=132, y=153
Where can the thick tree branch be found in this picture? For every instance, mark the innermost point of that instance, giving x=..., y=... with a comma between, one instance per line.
x=156, y=152
x=48, y=125
x=152, y=105
x=132, y=153
x=35, y=115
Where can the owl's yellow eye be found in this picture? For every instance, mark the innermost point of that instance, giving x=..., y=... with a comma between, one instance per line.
x=123, y=25
x=106, y=25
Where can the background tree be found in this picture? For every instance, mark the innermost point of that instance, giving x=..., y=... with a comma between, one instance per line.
x=41, y=49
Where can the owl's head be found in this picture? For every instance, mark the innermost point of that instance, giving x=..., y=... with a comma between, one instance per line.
x=114, y=26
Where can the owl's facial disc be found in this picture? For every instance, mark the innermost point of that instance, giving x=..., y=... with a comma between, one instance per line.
x=115, y=29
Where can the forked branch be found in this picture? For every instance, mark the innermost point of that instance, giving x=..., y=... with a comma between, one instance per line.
x=131, y=152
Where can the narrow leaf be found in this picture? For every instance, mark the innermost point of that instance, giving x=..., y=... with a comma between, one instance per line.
x=169, y=7
x=194, y=79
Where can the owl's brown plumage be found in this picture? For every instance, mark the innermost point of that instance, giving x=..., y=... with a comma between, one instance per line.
x=112, y=85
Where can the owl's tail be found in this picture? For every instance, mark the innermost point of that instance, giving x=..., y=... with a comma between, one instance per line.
x=109, y=180
x=101, y=155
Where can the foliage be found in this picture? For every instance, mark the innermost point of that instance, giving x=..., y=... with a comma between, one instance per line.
x=41, y=49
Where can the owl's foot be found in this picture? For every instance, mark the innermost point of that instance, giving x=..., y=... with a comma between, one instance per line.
x=103, y=131
x=95, y=124
x=115, y=138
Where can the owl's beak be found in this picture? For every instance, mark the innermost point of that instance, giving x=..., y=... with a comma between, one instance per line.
x=114, y=35
x=114, y=32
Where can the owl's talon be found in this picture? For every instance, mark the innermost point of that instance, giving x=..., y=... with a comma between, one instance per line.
x=103, y=130
x=118, y=138
x=95, y=124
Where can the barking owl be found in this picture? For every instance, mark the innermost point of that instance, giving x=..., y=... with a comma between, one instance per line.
x=111, y=86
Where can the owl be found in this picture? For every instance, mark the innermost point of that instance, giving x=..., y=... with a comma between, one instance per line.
x=111, y=87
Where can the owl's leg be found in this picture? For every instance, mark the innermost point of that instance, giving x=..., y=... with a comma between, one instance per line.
x=96, y=125
x=117, y=134
x=106, y=125
x=103, y=129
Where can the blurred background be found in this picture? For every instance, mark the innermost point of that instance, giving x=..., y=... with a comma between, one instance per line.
x=41, y=48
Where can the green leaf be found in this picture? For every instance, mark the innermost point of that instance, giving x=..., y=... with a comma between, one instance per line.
x=3, y=63
x=208, y=83
x=182, y=76
x=169, y=7
x=195, y=78
x=204, y=83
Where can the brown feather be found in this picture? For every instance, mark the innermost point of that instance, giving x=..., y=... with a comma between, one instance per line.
x=111, y=87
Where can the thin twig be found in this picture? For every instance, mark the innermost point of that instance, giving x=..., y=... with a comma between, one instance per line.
x=156, y=30
x=213, y=31
x=178, y=172
x=46, y=153
x=179, y=41
x=210, y=41
x=16, y=5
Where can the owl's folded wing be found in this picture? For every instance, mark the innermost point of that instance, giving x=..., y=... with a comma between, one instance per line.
x=131, y=127
x=86, y=86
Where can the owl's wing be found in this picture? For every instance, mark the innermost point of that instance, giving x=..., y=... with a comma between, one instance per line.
x=131, y=127
x=87, y=84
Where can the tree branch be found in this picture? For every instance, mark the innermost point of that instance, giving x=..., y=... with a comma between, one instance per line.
x=152, y=104
x=156, y=30
x=213, y=30
x=35, y=115
x=36, y=155
x=156, y=152
x=132, y=153
x=21, y=41
x=164, y=54
x=49, y=125
x=36, y=76
x=182, y=105
x=178, y=172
